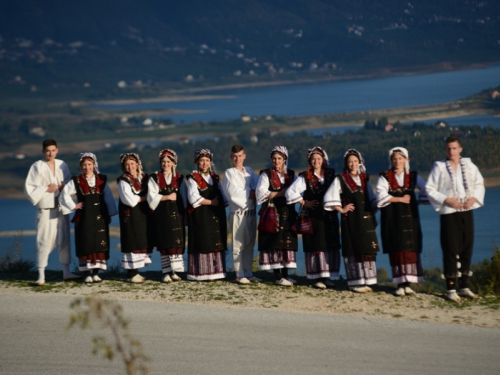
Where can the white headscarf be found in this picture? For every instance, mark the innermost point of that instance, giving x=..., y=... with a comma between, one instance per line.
x=318, y=150
x=134, y=156
x=92, y=156
x=283, y=151
x=403, y=152
x=352, y=151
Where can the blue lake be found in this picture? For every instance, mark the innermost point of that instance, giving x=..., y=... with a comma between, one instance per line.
x=487, y=219
x=335, y=96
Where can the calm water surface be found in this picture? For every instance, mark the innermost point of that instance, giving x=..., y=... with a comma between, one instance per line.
x=487, y=220
x=335, y=97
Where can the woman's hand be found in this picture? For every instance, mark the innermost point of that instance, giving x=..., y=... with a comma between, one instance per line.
x=405, y=199
x=79, y=206
x=348, y=208
x=170, y=197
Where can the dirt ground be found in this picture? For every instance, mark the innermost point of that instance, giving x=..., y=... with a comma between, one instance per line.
x=381, y=303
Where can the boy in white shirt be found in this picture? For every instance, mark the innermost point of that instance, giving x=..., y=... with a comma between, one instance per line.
x=46, y=178
x=239, y=188
x=455, y=187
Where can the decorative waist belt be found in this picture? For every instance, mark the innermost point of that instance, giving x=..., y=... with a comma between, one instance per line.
x=245, y=213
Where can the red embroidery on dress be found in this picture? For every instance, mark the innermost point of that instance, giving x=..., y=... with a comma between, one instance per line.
x=408, y=181
x=136, y=185
x=203, y=185
x=162, y=182
x=313, y=181
x=200, y=181
x=353, y=186
x=276, y=182
x=126, y=214
x=84, y=187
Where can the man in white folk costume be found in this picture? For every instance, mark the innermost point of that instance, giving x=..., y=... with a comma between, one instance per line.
x=455, y=187
x=46, y=178
x=239, y=188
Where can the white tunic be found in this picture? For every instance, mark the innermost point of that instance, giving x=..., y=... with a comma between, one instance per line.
x=40, y=177
x=52, y=228
x=444, y=182
x=237, y=186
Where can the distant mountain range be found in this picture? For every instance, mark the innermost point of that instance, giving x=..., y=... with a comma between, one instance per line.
x=101, y=43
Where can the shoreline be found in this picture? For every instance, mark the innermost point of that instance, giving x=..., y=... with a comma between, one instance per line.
x=158, y=99
x=18, y=194
x=177, y=95
x=402, y=114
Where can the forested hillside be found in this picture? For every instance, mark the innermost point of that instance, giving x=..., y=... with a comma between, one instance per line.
x=96, y=44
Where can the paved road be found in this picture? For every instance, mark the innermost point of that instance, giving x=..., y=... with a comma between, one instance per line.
x=190, y=339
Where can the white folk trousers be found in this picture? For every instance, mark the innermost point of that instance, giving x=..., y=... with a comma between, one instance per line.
x=52, y=229
x=243, y=225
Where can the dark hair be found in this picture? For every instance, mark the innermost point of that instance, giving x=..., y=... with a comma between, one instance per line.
x=47, y=143
x=452, y=139
x=237, y=148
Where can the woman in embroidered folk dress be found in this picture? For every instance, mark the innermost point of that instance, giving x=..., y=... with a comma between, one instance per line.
x=93, y=214
x=351, y=194
x=400, y=220
x=135, y=217
x=207, y=234
x=277, y=250
x=164, y=198
x=322, y=248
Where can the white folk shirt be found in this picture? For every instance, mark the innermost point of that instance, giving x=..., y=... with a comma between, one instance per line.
x=444, y=182
x=126, y=194
x=39, y=177
x=237, y=186
x=262, y=191
x=383, y=195
x=333, y=196
x=193, y=194
x=68, y=205
x=294, y=192
x=154, y=196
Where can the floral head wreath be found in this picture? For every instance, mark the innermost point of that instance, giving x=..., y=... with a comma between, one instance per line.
x=404, y=153
x=133, y=156
x=352, y=151
x=283, y=151
x=318, y=150
x=91, y=156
